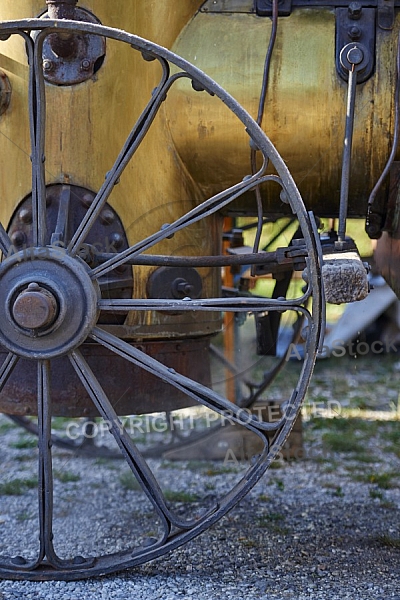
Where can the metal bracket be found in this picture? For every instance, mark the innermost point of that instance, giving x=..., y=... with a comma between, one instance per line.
x=264, y=8
x=72, y=59
x=386, y=14
x=356, y=24
x=174, y=282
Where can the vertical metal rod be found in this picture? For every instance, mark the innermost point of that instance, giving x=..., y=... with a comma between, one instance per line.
x=37, y=110
x=347, y=147
x=45, y=467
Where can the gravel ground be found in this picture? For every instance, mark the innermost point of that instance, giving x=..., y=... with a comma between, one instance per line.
x=326, y=527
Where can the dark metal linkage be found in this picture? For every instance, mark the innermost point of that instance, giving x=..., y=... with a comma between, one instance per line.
x=352, y=55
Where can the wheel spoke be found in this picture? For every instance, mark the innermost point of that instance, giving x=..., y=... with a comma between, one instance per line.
x=133, y=456
x=5, y=241
x=46, y=475
x=37, y=117
x=61, y=231
x=203, y=210
x=200, y=393
x=240, y=304
x=132, y=143
x=45, y=461
x=7, y=368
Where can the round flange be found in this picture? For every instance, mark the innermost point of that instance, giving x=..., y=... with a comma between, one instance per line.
x=48, y=303
x=354, y=56
x=72, y=59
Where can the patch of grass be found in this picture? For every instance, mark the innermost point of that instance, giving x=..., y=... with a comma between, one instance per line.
x=219, y=471
x=17, y=487
x=264, y=498
x=105, y=462
x=5, y=427
x=25, y=443
x=277, y=464
x=168, y=464
x=247, y=543
x=384, y=503
x=388, y=540
x=129, y=482
x=376, y=494
x=273, y=521
x=24, y=458
x=394, y=449
x=173, y=496
x=351, y=425
x=336, y=489
x=364, y=457
x=382, y=480
x=270, y=517
x=394, y=437
x=60, y=423
x=279, y=484
x=66, y=476
x=196, y=465
x=341, y=443
x=25, y=516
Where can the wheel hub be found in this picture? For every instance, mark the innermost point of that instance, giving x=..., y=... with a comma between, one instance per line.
x=48, y=303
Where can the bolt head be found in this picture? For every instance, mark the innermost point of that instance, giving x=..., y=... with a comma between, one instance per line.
x=355, y=56
x=107, y=216
x=48, y=65
x=354, y=33
x=85, y=65
x=116, y=240
x=355, y=10
x=25, y=215
x=18, y=238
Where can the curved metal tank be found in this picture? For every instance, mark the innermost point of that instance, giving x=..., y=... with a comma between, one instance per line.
x=305, y=108
x=87, y=124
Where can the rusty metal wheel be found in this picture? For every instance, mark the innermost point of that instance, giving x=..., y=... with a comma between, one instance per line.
x=51, y=302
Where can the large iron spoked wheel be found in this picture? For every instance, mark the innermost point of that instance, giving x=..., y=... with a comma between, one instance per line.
x=50, y=304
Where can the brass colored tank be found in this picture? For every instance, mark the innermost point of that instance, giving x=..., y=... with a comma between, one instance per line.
x=305, y=107
x=87, y=126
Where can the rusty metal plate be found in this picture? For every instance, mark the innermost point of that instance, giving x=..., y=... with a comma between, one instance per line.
x=131, y=390
x=75, y=58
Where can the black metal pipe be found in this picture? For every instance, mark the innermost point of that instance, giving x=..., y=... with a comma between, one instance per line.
x=61, y=9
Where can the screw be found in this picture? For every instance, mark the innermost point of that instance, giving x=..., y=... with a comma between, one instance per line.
x=116, y=240
x=87, y=200
x=354, y=33
x=107, y=216
x=86, y=64
x=25, y=215
x=18, y=238
x=355, y=10
x=48, y=65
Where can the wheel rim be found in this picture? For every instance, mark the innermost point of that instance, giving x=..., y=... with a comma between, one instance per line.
x=50, y=295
